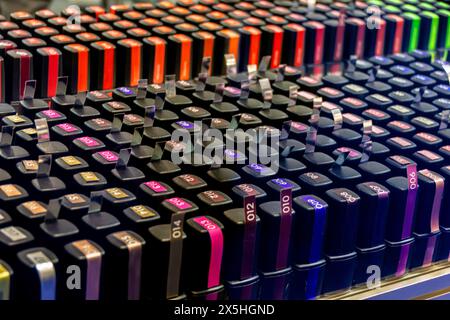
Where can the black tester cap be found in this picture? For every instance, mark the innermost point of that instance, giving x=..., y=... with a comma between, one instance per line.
x=314, y=33
x=45, y=14
x=241, y=191
x=89, y=256
x=67, y=165
x=127, y=252
x=309, y=229
x=40, y=284
x=402, y=208
x=124, y=173
x=160, y=166
x=167, y=241
x=242, y=231
x=103, y=61
x=276, y=229
x=445, y=219
x=354, y=37
x=180, y=53
x=6, y=26
x=429, y=202
x=56, y=228
x=130, y=52
x=205, y=247
x=154, y=66
x=99, y=220
x=344, y=207
x=374, y=210
x=398, y=164
x=334, y=38
x=48, y=69
x=76, y=66
x=18, y=64
x=428, y=159
x=100, y=27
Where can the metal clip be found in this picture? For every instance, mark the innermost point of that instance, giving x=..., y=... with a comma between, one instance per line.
x=234, y=123
x=337, y=118
x=284, y=136
x=293, y=94
x=124, y=158
x=159, y=102
x=419, y=94
x=366, y=142
x=170, y=86
x=252, y=72
x=230, y=62
x=203, y=75
x=80, y=99
x=158, y=151
x=264, y=65
x=138, y=134
x=351, y=67
x=149, y=116
x=116, y=125
x=281, y=72
x=53, y=209
x=286, y=130
x=446, y=68
x=341, y=159
x=30, y=89
x=96, y=201
x=7, y=136
x=445, y=118
x=245, y=90
x=311, y=137
x=373, y=72
x=61, y=87
x=142, y=89
x=42, y=132
x=267, y=92
x=311, y=6
x=44, y=166
x=218, y=96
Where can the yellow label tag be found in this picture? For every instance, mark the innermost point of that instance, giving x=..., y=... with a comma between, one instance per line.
x=30, y=165
x=71, y=161
x=89, y=176
x=30, y=131
x=74, y=198
x=10, y=190
x=15, y=118
x=34, y=207
x=4, y=283
x=117, y=193
x=143, y=211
